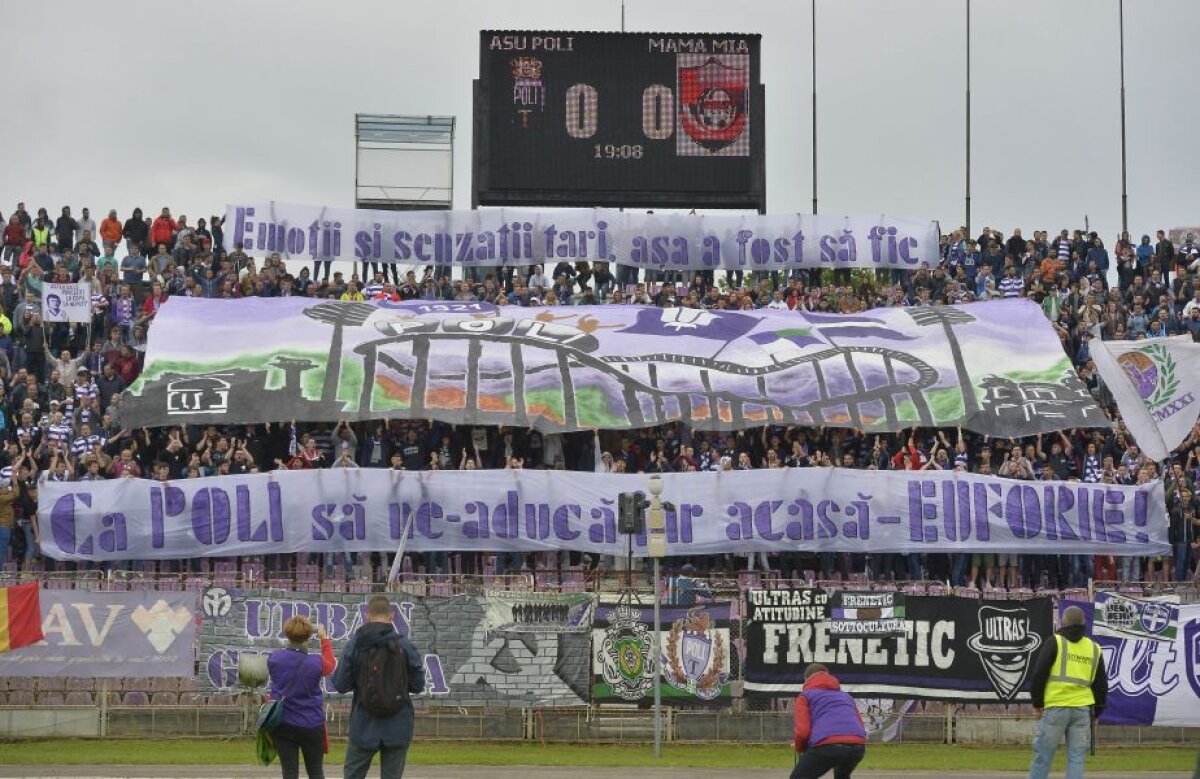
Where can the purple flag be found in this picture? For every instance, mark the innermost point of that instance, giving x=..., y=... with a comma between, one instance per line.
x=717, y=326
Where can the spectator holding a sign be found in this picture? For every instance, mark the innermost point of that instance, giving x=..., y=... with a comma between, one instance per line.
x=829, y=731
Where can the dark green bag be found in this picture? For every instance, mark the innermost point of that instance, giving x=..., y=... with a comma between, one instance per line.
x=264, y=748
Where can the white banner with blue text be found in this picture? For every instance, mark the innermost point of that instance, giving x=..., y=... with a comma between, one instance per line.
x=785, y=509
x=522, y=237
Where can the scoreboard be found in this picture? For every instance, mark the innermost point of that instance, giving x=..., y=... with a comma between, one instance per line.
x=612, y=119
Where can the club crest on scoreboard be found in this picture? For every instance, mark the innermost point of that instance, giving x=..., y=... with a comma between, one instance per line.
x=714, y=105
x=529, y=94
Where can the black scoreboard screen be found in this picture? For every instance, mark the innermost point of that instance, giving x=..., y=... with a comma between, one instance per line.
x=619, y=119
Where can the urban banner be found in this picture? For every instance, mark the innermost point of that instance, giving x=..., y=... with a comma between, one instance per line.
x=467, y=663
x=110, y=634
x=776, y=510
x=953, y=649
x=609, y=367
x=694, y=654
x=523, y=237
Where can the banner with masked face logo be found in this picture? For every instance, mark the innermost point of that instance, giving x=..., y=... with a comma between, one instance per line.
x=952, y=649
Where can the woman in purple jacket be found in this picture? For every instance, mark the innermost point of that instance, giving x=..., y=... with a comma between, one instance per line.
x=296, y=677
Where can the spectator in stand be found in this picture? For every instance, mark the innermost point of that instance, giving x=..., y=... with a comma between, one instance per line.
x=163, y=229
x=135, y=232
x=15, y=238
x=65, y=227
x=1157, y=294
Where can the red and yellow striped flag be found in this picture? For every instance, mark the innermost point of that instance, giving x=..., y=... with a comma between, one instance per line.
x=20, y=616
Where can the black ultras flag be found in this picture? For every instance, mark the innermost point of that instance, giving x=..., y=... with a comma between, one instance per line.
x=952, y=649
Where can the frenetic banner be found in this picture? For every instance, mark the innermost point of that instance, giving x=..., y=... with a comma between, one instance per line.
x=609, y=367
x=110, y=634
x=953, y=649
x=785, y=509
x=511, y=236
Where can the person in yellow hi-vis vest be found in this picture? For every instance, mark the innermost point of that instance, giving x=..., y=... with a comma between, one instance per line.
x=1069, y=687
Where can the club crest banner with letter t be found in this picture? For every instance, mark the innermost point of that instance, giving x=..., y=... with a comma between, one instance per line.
x=612, y=367
x=694, y=654
x=952, y=649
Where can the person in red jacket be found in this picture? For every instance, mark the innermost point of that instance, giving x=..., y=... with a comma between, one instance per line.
x=829, y=732
x=14, y=238
x=163, y=230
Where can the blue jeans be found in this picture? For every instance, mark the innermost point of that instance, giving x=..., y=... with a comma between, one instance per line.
x=1081, y=570
x=1182, y=569
x=958, y=569
x=1129, y=569
x=1057, y=721
x=358, y=761
x=5, y=544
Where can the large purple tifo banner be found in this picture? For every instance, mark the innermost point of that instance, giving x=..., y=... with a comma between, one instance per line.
x=110, y=634
x=609, y=367
x=766, y=510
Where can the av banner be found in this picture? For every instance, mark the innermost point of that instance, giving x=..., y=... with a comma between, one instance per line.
x=1152, y=660
x=1155, y=383
x=509, y=236
x=694, y=653
x=467, y=663
x=953, y=649
x=110, y=634
x=783, y=509
x=609, y=367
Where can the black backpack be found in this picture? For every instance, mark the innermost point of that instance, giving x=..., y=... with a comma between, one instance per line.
x=381, y=681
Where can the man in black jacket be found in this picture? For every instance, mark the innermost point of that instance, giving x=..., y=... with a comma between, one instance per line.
x=136, y=231
x=370, y=733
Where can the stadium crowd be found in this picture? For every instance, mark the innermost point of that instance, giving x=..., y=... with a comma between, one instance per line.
x=60, y=381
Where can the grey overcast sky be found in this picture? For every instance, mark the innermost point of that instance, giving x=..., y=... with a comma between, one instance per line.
x=195, y=105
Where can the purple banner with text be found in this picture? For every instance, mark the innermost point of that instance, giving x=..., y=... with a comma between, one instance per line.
x=774, y=510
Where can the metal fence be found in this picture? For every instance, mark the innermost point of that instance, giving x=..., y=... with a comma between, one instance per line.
x=38, y=707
